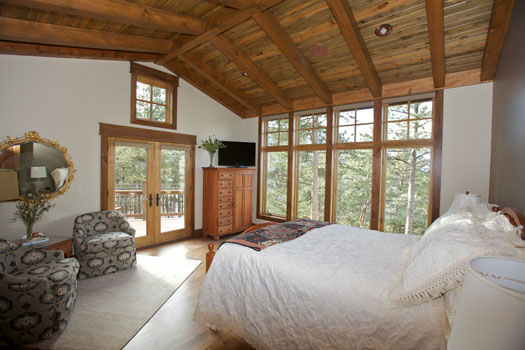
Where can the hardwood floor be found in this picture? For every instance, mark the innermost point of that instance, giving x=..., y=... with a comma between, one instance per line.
x=173, y=327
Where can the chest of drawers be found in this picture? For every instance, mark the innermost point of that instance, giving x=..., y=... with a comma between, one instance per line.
x=227, y=200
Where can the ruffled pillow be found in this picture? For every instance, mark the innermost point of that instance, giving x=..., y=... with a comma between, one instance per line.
x=438, y=262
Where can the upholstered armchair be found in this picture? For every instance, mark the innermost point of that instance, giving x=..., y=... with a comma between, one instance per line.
x=37, y=292
x=103, y=242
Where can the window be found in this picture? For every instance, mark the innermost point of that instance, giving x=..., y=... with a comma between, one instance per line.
x=153, y=97
x=371, y=165
x=275, y=136
x=407, y=151
x=354, y=128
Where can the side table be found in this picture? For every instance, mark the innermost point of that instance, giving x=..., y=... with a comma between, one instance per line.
x=57, y=243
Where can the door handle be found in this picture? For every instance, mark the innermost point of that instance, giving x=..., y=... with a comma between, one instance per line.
x=150, y=199
x=158, y=199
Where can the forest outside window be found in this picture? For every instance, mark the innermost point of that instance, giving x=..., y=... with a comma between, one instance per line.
x=153, y=97
x=274, y=139
x=353, y=157
x=372, y=165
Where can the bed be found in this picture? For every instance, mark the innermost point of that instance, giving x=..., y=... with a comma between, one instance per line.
x=341, y=287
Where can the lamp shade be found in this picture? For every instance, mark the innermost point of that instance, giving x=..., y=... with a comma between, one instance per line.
x=491, y=309
x=464, y=200
x=38, y=172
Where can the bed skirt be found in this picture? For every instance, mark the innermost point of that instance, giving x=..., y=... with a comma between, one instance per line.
x=217, y=322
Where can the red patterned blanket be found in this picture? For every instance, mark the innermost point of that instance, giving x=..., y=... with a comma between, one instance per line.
x=267, y=236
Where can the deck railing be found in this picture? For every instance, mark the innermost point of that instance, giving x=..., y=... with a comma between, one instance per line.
x=132, y=202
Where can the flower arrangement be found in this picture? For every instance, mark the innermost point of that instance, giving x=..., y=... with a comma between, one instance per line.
x=211, y=144
x=31, y=208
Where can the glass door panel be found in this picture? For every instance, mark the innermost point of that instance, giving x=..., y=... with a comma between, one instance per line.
x=131, y=189
x=172, y=189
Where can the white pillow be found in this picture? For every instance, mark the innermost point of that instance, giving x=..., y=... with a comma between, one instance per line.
x=438, y=261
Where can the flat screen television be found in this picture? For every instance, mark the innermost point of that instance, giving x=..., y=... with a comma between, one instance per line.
x=237, y=154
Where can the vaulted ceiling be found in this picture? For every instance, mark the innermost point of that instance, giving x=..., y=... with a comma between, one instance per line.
x=258, y=57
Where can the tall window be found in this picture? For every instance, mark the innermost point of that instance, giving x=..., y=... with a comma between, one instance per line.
x=354, y=128
x=275, y=167
x=153, y=97
x=345, y=170
x=310, y=156
x=407, y=168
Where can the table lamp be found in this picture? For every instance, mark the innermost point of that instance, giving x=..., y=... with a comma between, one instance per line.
x=464, y=200
x=491, y=309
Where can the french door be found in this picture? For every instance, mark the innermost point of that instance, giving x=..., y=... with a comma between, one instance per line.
x=150, y=182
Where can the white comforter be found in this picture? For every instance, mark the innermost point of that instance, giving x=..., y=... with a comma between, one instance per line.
x=325, y=290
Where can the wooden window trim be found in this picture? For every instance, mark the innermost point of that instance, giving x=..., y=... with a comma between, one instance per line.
x=379, y=144
x=160, y=79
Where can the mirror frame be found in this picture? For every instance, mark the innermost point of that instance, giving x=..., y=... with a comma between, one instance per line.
x=34, y=136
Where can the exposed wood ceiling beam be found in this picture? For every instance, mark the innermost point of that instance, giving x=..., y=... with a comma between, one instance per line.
x=499, y=22
x=43, y=33
x=405, y=88
x=194, y=80
x=208, y=72
x=350, y=31
x=255, y=73
x=227, y=24
x=282, y=40
x=119, y=11
x=8, y=47
x=436, y=35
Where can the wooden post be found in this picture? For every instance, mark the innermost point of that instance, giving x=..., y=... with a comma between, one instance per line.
x=209, y=256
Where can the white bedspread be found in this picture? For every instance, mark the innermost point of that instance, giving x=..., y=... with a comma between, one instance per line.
x=324, y=290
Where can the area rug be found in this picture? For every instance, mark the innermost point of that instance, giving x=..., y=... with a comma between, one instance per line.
x=111, y=309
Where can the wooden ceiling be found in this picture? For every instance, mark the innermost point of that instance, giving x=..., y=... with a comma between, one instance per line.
x=253, y=56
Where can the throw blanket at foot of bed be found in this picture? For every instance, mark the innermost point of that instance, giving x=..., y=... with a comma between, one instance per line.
x=267, y=236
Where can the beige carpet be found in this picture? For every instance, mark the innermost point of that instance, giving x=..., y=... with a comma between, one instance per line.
x=111, y=309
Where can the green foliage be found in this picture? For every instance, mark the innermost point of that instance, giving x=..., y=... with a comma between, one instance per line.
x=354, y=187
x=211, y=144
x=31, y=208
x=397, y=183
x=276, y=182
x=130, y=167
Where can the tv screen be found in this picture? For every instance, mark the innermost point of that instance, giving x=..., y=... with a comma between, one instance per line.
x=237, y=154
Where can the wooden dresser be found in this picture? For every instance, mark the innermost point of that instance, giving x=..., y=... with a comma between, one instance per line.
x=227, y=200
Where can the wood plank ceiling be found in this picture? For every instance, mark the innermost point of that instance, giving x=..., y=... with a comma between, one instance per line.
x=255, y=57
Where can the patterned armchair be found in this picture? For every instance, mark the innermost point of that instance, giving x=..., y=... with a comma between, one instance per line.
x=103, y=242
x=38, y=289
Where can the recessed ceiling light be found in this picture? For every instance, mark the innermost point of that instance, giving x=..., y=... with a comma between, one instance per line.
x=318, y=50
x=384, y=30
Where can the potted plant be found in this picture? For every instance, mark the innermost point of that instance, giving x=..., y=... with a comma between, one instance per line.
x=30, y=208
x=211, y=144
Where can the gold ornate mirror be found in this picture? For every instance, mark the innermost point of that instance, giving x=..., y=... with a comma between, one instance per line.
x=31, y=162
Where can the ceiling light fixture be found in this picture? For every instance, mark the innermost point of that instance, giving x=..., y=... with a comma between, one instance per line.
x=318, y=50
x=384, y=30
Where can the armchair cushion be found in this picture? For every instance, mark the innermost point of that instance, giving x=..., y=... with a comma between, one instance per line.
x=105, y=241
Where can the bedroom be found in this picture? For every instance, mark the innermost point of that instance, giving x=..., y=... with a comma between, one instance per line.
x=65, y=99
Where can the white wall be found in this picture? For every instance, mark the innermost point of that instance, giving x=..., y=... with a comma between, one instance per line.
x=467, y=125
x=65, y=99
